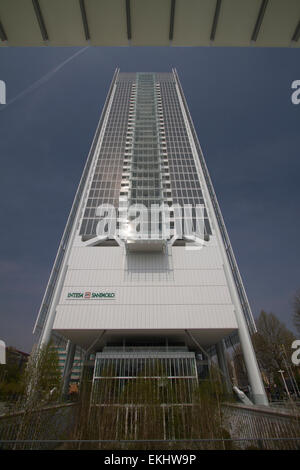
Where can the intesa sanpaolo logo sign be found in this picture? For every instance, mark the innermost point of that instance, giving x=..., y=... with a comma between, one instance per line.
x=89, y=295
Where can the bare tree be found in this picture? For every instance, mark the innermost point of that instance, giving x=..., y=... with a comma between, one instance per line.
x=271, y=339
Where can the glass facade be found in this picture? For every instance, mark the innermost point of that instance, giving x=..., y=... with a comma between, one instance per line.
x=121, y=377
x=145, y=155
x=184, y=179
x=145, y=172
x=106, y=183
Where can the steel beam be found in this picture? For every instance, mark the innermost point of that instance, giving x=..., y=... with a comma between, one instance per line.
x=215, y=21
x=172, y=17
x=296, y=34
x=84, y=20
x=41, y=22
x=3, y=36
x=128, y=19
x=259, y=20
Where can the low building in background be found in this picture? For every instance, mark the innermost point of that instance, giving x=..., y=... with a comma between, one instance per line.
x=16, y=357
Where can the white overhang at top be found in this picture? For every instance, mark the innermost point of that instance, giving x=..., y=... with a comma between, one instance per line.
x=265, y=23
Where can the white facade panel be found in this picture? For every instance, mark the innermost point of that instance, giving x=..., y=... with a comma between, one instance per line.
x=159, y=317
x=179, y=289
x=96, y=258
x=208, y=257
x=149, y=295
x=178, y=277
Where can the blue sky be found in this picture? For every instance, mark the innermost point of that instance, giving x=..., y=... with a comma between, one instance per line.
x=247, y=126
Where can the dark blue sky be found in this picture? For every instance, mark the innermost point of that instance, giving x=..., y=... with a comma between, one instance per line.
x=248, y=128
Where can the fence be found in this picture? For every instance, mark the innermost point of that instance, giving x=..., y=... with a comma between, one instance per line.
x=53, y=427
x=268, y=427
x=37, y=428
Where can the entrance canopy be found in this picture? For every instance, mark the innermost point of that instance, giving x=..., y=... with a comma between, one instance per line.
x=265, y=23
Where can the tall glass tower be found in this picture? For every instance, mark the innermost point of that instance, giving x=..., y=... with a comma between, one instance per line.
x=145, y=270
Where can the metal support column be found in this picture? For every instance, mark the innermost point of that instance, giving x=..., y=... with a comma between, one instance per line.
x=221, y=354
x=71, y=348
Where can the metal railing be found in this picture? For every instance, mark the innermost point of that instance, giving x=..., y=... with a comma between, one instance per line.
x=38, y=428
x=271, y=428
x=51, y=427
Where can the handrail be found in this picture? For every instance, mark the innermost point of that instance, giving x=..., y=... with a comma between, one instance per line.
x=263, y=410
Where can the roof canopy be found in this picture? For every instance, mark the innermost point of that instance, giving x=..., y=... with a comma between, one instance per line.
x=267, y=23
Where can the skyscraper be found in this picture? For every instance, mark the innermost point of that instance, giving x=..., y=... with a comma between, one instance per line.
x=145, y=270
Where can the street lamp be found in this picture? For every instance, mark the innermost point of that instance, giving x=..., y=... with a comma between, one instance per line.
x=287, y=390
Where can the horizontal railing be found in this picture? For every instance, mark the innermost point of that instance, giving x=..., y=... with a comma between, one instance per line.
x=273, y=428
x=249, y=427
x=37, y=428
